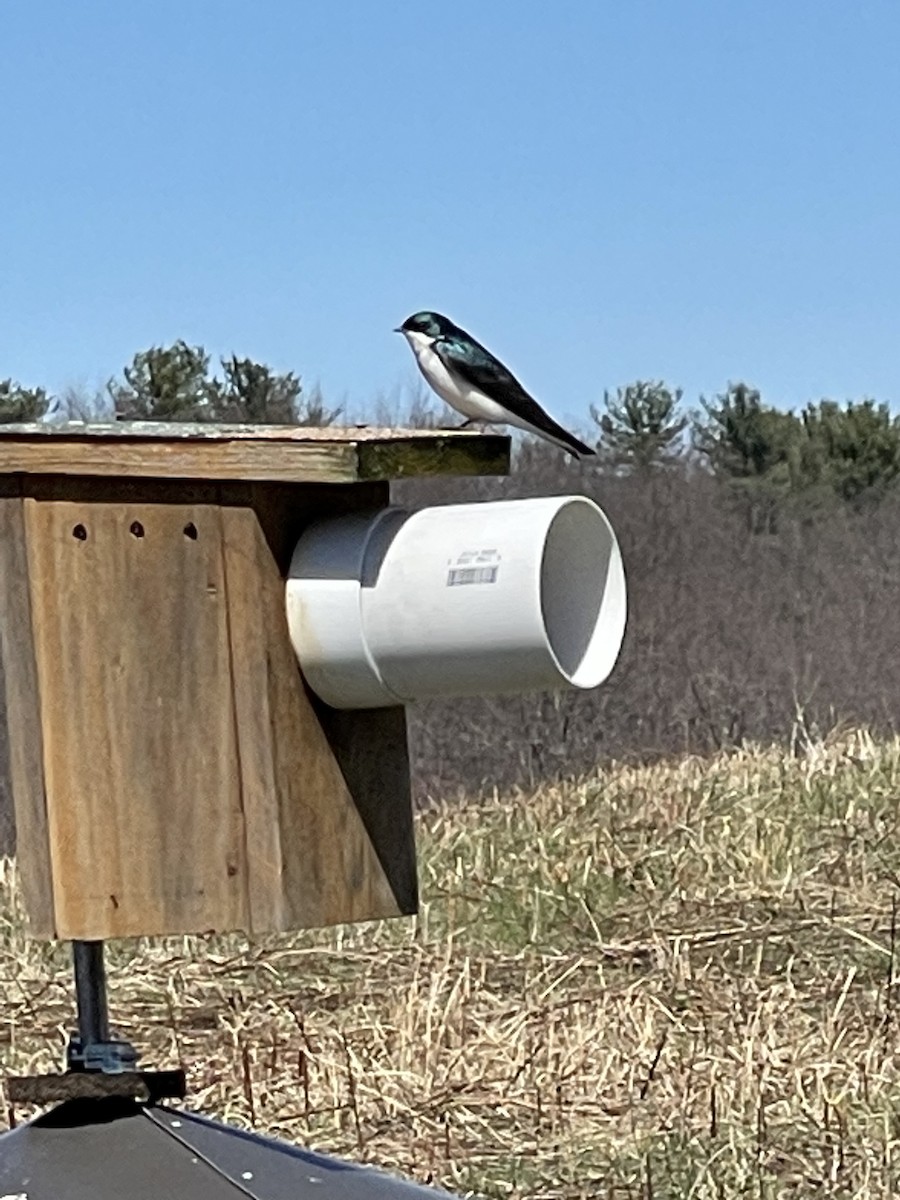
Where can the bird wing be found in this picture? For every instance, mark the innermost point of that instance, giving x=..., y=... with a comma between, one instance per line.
x=479, y=368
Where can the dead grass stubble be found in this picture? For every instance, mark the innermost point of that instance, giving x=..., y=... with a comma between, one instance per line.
x=667, y=981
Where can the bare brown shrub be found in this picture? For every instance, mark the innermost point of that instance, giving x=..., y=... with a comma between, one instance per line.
x=732, y=635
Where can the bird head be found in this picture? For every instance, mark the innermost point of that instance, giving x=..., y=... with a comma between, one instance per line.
x=427, y=324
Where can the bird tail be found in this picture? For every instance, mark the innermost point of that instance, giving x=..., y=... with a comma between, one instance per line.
x=571, y=443
x=550, y=431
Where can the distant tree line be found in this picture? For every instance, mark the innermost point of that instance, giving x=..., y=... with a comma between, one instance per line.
x=175, y=383
x=846, y=451
x=770, y=457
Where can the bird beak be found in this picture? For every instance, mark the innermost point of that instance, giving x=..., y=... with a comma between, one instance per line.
x=398, y=329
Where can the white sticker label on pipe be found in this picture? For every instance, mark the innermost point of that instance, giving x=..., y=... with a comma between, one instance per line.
x=474, y=566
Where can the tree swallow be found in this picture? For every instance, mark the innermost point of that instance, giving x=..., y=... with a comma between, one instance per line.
x=472, y=381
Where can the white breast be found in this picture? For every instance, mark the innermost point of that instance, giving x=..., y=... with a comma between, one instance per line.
x=455, y=391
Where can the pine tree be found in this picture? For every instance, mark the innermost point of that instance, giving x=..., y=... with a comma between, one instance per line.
x=21, y=404
x=743, y=438
x=854, y=450
x=173, y=383
x=752, y=446
x=642, y=427
x=165, y=383
x=254, y=394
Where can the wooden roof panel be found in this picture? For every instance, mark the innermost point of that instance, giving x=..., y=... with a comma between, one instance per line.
x=287, y=453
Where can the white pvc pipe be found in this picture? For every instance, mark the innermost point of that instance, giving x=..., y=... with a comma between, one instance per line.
x=466, y=599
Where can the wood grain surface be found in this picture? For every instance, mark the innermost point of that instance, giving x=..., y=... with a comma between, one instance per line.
x=140, y=748
x=24, y=737
x=171, y=771
x=294, y=454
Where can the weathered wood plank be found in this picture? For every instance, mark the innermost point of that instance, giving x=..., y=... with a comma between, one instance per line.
x=250, y=667
x=23, y=722
x=140, y=754
x=311, y=859
x=7, y=815
x=313, y=462
x=406, y=458
x=253, y=453
x=143, y=1086
x=371, y=748
x=213, y=431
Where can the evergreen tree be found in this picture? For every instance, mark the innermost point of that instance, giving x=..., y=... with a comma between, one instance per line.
x=743, y=438
x=754, y=447
x=21, y=404
x=173, y=383
x=854, y=450
x=642, y=427
x=253, y=394
x=165, y=383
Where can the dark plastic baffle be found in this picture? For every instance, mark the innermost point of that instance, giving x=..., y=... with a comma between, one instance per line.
x=119, y=1150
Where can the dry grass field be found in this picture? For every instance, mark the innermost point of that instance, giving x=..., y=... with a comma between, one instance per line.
x=674, y=981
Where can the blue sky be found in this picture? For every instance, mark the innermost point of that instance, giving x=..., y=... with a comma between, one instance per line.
x=696, y=190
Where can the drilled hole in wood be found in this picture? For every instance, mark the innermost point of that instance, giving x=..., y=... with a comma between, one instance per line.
x=190, y=531
x=137, y=528
x=80, y=532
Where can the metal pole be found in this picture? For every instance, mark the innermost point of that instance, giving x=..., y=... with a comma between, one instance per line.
x=90, y=993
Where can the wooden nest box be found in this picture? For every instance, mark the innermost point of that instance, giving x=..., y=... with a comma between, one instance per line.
x=169, y=769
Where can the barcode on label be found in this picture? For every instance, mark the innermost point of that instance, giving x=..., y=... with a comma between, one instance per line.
x=457, y=576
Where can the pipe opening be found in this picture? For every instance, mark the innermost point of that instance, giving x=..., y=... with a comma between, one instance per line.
x=582, y=594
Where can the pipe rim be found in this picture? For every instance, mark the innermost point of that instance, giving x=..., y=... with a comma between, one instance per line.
x=584, y=612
